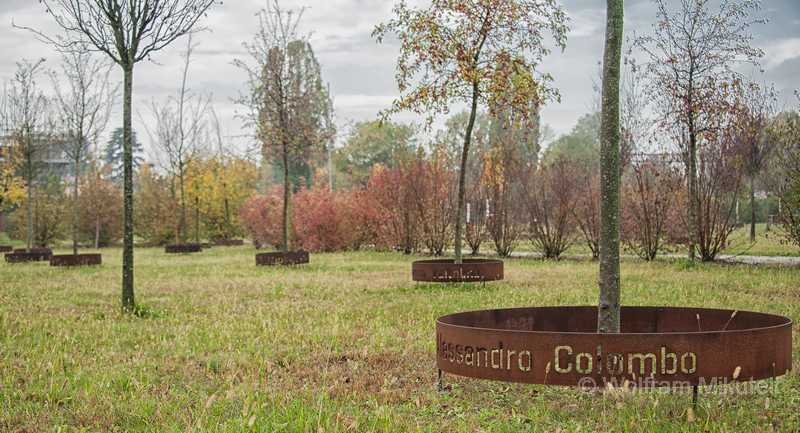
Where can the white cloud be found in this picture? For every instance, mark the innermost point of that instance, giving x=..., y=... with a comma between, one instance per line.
x=777, y=52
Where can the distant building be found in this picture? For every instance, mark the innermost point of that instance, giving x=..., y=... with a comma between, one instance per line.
x=51, y=160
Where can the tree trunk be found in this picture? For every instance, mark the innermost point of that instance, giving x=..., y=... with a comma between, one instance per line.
x=197, y=220
x=462, y=173
x=608, y=312
x=128, y=301
x=227, y=232
x=96, y=181
x=30, y=198
x=97, y=232
x=752, y=209
x=75, y=207
x=287, y=195
x=692, y=222
x=182, y=226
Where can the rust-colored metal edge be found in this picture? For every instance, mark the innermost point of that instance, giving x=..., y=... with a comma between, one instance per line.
x=22, y=255
x=280, y=258
x=183, y=248
x=229, y=242
x=447, y=271
x=563, y=347
x=74, y=260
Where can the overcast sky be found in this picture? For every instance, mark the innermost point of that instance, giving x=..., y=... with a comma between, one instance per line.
x=360, y=71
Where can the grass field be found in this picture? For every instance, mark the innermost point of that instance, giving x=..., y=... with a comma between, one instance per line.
x=343, y=344
x=768, y=243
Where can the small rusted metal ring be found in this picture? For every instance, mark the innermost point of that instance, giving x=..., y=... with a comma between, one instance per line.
x=447, y=271
x=22, y=255
x=72, y=260
x=290, y=258
x=183, y=248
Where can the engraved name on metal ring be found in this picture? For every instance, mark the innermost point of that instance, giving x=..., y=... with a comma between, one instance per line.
x=659, y=346
x=447, y=271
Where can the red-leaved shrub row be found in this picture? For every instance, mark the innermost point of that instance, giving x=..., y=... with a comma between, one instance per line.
x=404, y=208
x=322, y=220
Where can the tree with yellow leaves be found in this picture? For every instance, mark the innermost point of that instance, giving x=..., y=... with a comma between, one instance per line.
x=12, y=187
x=218, y=187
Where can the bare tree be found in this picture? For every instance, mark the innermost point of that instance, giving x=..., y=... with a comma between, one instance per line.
x=649, y=193
x=179, y=134
x=688, y=48
x=127, y=31
x=28, y=120
x=287, y=101
x=587, y=205
x=755, y=108
x=84, y=107
x=552, y=193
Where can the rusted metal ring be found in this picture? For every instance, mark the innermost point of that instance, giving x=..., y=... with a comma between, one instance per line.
x=447, y=271
x=23, y=255
x=183, y=248
x=658, y=346
x=229, y=242
x=71, y=260
x=282, y=258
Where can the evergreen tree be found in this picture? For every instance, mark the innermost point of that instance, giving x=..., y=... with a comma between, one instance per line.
x=112, y=154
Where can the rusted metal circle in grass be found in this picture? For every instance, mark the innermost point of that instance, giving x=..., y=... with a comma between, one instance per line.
x=183, y=248
x=33, y=255
x=447, y=271
x=282, y=258
x=658, y=346
x=229, y=242
x=72, y=260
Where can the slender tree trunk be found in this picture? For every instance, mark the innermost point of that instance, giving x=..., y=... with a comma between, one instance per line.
x=29, y=173
x=227, y=232
x=182, y=224
x=96, y=181
x=753, y=209
x=97, y=232
x=128, y=301
x=197, y=220
x=692, y=209
x=608, y=312
x=287, y=196
x=75, y=207
x=462, y=173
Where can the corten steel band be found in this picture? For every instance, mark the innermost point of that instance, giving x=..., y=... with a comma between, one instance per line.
x=69, y=260
x=447, y=271
x=658, y=346
x=183, y=248
x=282, y=258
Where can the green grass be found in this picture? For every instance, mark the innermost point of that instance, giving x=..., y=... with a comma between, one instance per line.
x=343, y=344
x=768, y=243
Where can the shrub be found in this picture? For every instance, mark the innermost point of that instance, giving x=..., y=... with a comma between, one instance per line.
x=100, y=211
x=649, y=206
x=261, y=218
x=394, y=214
x=50, y=212
x=155, y=211
x=552, y=191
